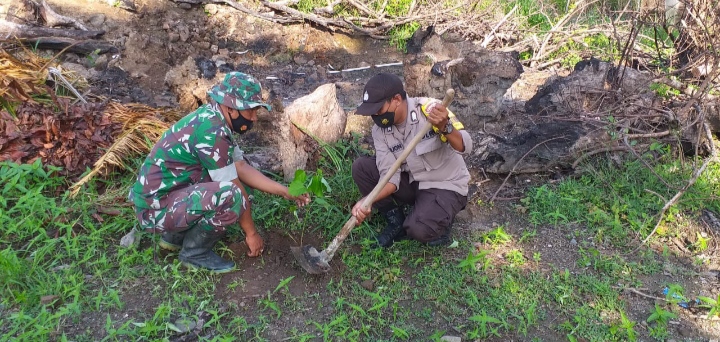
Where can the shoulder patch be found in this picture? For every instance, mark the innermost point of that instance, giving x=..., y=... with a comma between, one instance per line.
x=413, y=116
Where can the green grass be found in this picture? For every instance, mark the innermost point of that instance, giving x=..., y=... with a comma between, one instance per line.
x=617, y=202
x=488, y=286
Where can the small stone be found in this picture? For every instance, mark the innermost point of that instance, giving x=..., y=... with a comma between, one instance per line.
x=300, y=59
x=549, y=246
x=185, y=6
x=101, y=62
x=96, y=19
x=573, y=241
x=448, y=338
x=166, y=26
x=184, y=324
x=214, y=48
x=211, y=9
x=60, y=268
x=173, y=37
x=368, y=285
x=129, y=239
x=50, y=300
x=686, y=331
x=184, y=35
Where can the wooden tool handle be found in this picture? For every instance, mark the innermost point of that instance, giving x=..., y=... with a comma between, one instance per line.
x=370, y=198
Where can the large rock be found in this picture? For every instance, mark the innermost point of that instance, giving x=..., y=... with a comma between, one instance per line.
x=480, y=77
x=318, y=115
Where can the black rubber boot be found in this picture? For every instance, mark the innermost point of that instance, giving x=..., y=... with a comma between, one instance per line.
x=439, y=242
x=394, y=230
x=197, y=251
x=172, y=241
x=443, y=240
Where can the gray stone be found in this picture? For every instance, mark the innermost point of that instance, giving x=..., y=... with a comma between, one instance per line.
x=173, y=37
x=129, y=239
x=185, y=6
x=184, y=325
x=96, y=19
x=448, y=338
x=300, y=59
x=101, y=62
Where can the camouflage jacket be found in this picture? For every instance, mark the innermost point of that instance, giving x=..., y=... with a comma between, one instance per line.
x=198, y=148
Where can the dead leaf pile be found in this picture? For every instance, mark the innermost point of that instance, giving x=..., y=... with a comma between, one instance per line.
x=72, y=137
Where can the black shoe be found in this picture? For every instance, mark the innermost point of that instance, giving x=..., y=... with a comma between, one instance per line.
x=172, y=241
x=197, y=251
x=443, y=240
x=394, y=229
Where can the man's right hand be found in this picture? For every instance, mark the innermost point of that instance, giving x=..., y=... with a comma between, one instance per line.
x=255, y=244
x=359, y=212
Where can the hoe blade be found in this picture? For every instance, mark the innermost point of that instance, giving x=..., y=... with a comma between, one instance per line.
x=310, y=259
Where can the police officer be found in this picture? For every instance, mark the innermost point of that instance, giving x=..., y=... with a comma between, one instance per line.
x=434, y=177
x=192, y=184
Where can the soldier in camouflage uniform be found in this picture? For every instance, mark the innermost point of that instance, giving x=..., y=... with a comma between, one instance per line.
x=191, y=185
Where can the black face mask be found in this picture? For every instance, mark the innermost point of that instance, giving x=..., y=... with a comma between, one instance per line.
x=384, y=120
x=241, y=125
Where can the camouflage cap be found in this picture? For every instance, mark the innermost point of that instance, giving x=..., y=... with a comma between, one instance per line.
x=238, y=90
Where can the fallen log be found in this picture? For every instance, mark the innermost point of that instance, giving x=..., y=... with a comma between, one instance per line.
x=82, y=47
x=9, y=30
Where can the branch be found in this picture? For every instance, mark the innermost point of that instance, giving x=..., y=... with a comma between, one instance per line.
x=491, y=35
x=690, y=183
x=52, y=18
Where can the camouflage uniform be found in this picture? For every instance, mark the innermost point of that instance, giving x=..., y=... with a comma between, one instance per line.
x=186, y=180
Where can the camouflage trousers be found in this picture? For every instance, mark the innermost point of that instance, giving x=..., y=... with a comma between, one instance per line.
x=212, y=205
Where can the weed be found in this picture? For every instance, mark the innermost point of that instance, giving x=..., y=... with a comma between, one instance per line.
x=515, y=257
x=661, y=318
x=470, y=264
x=712, y=304
x=701, y=242
x=664, y=91
x=496, y=237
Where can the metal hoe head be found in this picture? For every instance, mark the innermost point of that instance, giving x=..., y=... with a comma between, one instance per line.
x=310, y=259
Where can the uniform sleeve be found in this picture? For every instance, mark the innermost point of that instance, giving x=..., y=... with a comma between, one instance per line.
x=215, y=152
x=467, y=141
x=384, y=158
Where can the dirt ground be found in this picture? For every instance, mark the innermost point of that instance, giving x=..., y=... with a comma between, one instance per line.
x=291, y=61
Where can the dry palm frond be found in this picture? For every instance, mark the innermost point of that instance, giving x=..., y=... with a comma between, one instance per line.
x=21, y=76
x=141, y=124
x=24, y=73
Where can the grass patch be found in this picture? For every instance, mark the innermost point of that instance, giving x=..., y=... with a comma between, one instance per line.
x=615, y=202
x=62, y=275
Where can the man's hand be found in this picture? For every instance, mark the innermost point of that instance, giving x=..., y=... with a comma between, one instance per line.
x=438, y=115
x=255, y=244
x=301, y=200
x=359, y=212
